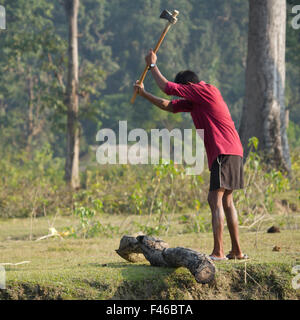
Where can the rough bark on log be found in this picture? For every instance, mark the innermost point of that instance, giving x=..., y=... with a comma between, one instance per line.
x=130, y=250
x=158, y=253
x=152, y=249
x=200, y=266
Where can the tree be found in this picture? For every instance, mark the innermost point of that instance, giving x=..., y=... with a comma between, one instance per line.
x=25, y=78
x=263, y=113
x=73, y=127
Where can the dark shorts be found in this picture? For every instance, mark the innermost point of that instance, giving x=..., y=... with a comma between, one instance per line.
x=227, y=172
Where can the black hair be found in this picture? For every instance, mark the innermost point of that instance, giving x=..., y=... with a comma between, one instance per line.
x=184, y=77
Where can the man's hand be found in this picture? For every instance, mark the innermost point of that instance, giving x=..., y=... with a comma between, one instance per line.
x=139, y=87
x=163, y=104
x=151, y=57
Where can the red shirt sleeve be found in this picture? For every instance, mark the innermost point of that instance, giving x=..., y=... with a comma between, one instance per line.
x=181, y=105
x=186, y=91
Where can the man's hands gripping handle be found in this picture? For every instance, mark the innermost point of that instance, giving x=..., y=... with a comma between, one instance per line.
x=151, y=58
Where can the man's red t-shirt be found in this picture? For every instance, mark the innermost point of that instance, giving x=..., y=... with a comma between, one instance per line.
x=209, y=112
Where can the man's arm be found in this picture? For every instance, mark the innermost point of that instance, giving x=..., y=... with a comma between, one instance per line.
x=160, y=80
x=163, y=104
x=174, y=106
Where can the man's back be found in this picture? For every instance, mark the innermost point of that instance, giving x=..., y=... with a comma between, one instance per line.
x=209, y=112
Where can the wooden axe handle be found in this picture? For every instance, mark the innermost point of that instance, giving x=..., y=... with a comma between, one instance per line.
x=142, y=78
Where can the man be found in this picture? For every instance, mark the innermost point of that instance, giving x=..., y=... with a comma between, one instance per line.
x=222, y=143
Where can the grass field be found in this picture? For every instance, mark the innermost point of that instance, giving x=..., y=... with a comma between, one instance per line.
x=90, y=268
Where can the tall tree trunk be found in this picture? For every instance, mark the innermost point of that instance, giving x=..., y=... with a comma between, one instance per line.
x=30, y=122
x=73, y=128
x=264, y=109
x=34, y=123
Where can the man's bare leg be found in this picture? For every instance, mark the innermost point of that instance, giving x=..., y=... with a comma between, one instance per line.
x=216, y=206
x=232, y=223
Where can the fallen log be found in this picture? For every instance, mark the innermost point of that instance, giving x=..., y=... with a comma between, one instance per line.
x=158, y=253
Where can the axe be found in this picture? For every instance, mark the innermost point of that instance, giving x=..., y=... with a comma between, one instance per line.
x=171, y=17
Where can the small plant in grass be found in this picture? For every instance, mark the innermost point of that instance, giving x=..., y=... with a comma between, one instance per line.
x=88, y=226
x=164, y=197
x=295, y=179
x=138, y=199
x=277, y=183
x=149, y=230
x=196, y=222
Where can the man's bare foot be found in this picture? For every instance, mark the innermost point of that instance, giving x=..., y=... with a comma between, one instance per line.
x=238, y=256
x=215, y=258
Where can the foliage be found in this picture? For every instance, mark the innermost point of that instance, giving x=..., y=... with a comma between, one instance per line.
x=262, y=185
x=112, y=45
x=33, y=187
x=292, y=71
x=293, y=135
x=32, y=184
x=88, y=226
x=113, y=39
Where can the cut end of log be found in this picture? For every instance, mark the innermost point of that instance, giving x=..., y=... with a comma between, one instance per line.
x=131, y=257
x=205, y=273
x=130, y=250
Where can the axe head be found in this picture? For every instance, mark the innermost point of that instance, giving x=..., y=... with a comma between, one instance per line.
x=171, y=17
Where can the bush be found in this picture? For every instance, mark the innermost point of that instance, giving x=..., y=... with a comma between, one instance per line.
x=33, y=185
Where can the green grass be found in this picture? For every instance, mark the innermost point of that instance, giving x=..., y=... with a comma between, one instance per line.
x=90, y=268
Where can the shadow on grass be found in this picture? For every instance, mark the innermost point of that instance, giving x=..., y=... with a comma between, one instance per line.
x=136, y=271
x=140, y=280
